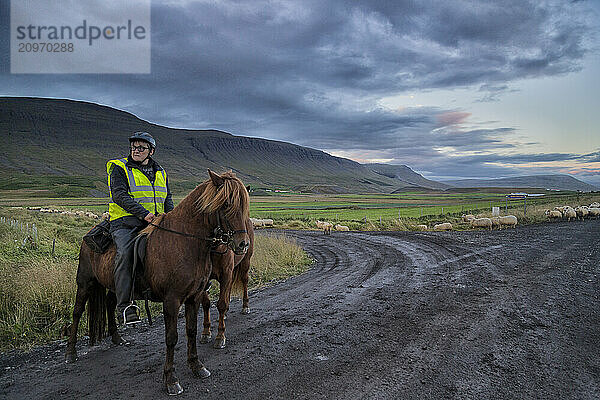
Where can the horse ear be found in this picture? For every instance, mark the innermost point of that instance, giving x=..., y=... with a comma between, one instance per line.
x=216, y=179
x=248, y=188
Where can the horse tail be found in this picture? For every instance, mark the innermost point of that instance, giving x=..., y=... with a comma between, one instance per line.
x=237, y=286
x=97, y=313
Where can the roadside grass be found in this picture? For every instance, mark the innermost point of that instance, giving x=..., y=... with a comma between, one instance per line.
x=277, y=258
x=38, y=286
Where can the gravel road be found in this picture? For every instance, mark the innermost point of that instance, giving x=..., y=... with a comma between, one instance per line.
x=512, y=314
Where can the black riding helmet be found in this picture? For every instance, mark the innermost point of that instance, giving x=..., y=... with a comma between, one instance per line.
x=145, y=136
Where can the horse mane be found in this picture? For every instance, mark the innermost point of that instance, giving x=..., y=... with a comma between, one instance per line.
x=232, y=194
x=207, y=198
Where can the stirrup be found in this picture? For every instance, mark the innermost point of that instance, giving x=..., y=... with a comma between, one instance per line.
x=139, y=320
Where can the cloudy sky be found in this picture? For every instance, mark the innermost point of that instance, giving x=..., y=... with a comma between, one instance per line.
x=451, y=88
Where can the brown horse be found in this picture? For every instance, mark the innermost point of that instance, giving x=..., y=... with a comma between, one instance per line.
x=231, y=271
x=177, y=267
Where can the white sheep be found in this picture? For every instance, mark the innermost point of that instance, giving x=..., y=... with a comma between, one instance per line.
x=594, y=212
x=446, y=226
x=342, y=228
x=467, y=217
x=508, y=220
x=553, y=214
x=495, y=222
x=582, y=212
x=326, y=226
x=482, y=223
x=569, y=213
x=595, y=205
x=256, y=222
x=422, y=227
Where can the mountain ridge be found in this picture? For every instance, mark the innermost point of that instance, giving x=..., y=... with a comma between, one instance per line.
x=62, y=137
x=545, y=181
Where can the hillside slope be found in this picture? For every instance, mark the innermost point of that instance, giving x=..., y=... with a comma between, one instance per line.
x=66, y=137
x=58, y=137
x=406, y=176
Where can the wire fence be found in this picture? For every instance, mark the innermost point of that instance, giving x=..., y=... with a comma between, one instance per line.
x=29, y=232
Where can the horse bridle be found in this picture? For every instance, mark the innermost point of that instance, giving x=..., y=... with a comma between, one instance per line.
x=220, y=235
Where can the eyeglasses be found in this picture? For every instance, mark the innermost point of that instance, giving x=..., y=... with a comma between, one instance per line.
x=141, y=149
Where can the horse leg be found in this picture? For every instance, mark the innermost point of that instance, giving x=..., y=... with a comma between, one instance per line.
x=206, y=335
x=245, y=266
x=223, y=307
x=191, y=328
x=80, y=299
x=111, y=306
x=170, y=312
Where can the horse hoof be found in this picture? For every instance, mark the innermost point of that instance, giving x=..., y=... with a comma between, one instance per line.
x=205, y=338
x=246, y=310
x=117, y=339
x=219, y=343
x=70, y=358
x=202, y=373
x=174, y=389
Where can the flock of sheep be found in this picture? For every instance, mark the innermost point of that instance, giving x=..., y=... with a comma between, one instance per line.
x=475, y=222
x=328, y=226
x=71, y=213
x=569, y=212
x=261, y=223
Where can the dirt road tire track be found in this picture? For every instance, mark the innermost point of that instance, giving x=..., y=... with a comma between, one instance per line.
x=460, y=315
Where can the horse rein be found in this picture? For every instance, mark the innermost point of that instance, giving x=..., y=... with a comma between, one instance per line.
x=221, y=236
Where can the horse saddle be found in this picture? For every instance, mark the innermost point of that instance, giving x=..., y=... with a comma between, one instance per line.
x=139, y=250
x=141, y=288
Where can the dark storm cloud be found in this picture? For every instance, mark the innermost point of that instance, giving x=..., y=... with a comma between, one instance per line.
x=311, y=72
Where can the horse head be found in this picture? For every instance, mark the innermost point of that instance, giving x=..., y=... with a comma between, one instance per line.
x=226, y=198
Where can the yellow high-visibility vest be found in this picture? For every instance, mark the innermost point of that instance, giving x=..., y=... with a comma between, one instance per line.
x=150, y=196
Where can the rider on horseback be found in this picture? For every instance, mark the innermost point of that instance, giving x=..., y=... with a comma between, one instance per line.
x=139, y=190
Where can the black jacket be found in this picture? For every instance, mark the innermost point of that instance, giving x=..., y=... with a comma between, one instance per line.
x=119, y=188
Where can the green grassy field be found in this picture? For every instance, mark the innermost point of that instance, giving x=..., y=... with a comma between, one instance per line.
x=383, y=207
x=349, y=209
